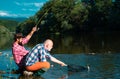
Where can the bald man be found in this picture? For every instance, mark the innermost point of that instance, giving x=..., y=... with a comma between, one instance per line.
x=37, y=58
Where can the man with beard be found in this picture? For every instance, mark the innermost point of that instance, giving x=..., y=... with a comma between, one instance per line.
x=18, y=50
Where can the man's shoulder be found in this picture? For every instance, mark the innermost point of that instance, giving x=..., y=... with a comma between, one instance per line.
x=38, y=46
x=15, y=44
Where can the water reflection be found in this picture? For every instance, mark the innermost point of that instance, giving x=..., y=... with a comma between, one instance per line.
x=84, y=43
x=102, y=43
x=87, y=43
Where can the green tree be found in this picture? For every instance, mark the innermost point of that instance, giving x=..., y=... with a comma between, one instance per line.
x=99, y=15
x=65, y=16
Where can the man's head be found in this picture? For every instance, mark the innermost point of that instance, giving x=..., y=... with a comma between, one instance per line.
x=48, y=44
x=18, y=38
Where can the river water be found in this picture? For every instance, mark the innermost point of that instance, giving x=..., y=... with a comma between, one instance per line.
x=101, y=53
x=102, y=66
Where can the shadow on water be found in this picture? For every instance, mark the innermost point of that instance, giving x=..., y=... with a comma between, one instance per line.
x=99, y=51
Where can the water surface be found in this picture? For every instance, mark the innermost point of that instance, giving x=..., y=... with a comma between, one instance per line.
x=102, y=66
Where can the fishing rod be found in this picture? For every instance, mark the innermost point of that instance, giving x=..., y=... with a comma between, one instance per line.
x=43, y=15
x=41, y=19
x=46, y=13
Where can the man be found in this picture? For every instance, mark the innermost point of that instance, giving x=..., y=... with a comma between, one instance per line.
x=18, y=50
x=37, y=58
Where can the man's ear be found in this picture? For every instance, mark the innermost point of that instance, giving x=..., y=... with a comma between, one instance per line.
x=47, y=45
x=17, y=39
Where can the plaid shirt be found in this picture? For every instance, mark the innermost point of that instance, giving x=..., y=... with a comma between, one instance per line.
x=19, y=51
x=38, y=53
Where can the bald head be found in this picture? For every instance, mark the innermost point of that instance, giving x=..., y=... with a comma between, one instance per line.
x=48, y=44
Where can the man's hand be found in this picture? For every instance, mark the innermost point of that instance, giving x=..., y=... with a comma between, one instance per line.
x=31, y=33
x=34, y=29
x=63, y=64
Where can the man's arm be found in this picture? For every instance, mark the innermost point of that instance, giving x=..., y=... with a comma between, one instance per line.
x=58, y=61
x=31, y=33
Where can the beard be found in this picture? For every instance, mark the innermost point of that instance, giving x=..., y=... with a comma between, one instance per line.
x=20, y=43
